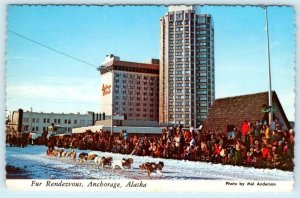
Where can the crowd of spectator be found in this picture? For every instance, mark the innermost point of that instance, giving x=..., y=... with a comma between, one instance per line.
x=254, y=144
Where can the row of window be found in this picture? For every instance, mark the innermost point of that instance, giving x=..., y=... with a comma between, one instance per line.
x=151, y=104
x=134, y=82
x=132, y=76
x=201, y=116
x=180, y=91
x=142, y=115
x=36, y=128
x=187, y=25
x=179, y=97
x=136, y=109
x=152, y=88
x=187, y=78
x=179, y=116
x=55, y=121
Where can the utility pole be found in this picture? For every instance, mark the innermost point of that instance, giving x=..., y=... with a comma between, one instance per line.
x=269, y=68
x=112, y=101
x=30, y=119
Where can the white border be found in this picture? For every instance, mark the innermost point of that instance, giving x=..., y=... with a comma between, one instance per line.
x=8, y=193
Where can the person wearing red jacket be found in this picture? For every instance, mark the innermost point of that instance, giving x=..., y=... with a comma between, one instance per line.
x=216, y=154
x=264, y=153
x=245, y=129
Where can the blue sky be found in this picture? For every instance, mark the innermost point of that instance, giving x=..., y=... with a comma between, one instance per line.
x=50, y=82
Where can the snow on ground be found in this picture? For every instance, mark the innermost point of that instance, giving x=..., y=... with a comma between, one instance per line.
x=34, y=161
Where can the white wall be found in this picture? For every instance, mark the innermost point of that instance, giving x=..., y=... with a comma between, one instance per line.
x=36, y=120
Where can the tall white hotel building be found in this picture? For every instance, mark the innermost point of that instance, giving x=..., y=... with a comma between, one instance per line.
x=187, y=67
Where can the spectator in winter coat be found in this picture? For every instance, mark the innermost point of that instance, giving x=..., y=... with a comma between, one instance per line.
x=278, y=125
x=264, y=153
x=238, y=147
x=192, y=142
x=251, y=134
x=216, y=154
x=187, y=136
x=257, y=130
x=274, y=137
x=245, y=129
x=268, y=133
x=223, y=155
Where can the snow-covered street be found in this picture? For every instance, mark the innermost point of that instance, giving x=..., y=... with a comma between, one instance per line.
x=36, y=165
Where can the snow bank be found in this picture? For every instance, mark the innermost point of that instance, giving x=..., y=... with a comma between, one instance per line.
x=33, y=160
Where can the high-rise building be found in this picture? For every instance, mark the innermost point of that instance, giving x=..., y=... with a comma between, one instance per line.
x=187, y=79
x=130, y=89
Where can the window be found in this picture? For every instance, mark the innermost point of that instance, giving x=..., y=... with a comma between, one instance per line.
x=202, y=80
x=202, y=32
x=58, y=121
x=55, y=121
x=178, y=103
x=75, y=121
x=82, y=122
x=48, y=120
x=202, y=92
x=178, y=72
x=203, y=68
x=36, y=128
x=44, y=120
x=186, y=15
x=178, y=97
x=203, y=86
x=202, y=98
x=66, y=121
x=33, y=120
x=37, y=120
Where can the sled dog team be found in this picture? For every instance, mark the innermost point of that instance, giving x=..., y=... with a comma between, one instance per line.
x=148, y=167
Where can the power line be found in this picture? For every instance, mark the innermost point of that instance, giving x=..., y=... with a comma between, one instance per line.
x=52, y=49
x=58, y=101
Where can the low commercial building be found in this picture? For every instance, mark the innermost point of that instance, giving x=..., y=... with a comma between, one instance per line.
x=38, y=122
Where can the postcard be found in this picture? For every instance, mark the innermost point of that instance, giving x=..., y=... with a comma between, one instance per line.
x=178, y=98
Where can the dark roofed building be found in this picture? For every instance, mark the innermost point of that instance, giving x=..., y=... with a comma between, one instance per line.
x=229, y=112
